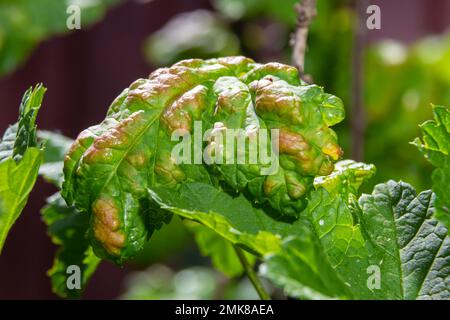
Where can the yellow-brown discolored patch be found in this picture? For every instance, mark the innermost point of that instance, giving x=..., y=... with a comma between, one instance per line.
x=117, y=138
x=106, y=225
x=333, y=150
x=295, y=188
x=138, y=159
x=167, y=170
x=292, y=143
x=275, y=101
x=326, y=168
x=179, y=114
x=271, y=185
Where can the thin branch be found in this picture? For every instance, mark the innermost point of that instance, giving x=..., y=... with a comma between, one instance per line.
x=252, y=275
x=306, y=11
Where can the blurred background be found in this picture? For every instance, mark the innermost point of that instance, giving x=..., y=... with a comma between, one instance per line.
x=387, y=79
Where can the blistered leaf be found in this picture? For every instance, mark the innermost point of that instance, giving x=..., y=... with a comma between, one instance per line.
x=111, y=166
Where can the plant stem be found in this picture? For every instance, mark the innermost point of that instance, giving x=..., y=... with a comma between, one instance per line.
x=252, y=275
x=306, y=11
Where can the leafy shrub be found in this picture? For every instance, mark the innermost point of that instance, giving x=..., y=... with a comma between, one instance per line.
x=315, y=234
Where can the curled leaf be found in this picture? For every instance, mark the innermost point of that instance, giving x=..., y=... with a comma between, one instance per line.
x=110, y=167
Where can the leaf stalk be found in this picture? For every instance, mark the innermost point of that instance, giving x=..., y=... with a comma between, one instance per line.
x=252, y=275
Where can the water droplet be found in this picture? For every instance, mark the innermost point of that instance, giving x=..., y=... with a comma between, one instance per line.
x=321, y=222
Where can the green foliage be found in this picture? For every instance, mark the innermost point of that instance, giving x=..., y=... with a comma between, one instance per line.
x=22, y=135
x=389, y=234
x=122, y=173
x=166, y=243
x=333, y=27
x=347, y=178
x=233, y=218
x=237, y=9
x=317, y=236
x=435, y=146
x=199, y=34
x=20, y=158
x=237, y=219
x=223, y=254
x=25, y=23
x=16, y=183
x=67, y=227
x=410, y=77
x=111, y=165
x=332, y=249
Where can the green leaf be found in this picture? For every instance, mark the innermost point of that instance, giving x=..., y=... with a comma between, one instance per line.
x=25, y=23
x=234, y=219
x=22, y=135
x=435, y=146
x=415, y=246
x=68, y=227
x=302, y=269
x=16, y=183
x=221, y=251
x=255, y=229
x=110, y=166
x=56, y=147
x=196, y=34
x=347, y=178
x=396, y=239
x=19, y=161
